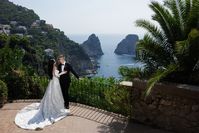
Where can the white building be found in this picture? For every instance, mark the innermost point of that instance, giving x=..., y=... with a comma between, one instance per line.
x=13, y=23
x=22, y=27
x=49, y=52
x=19, y=34
x=35, y=25
x=5, y=29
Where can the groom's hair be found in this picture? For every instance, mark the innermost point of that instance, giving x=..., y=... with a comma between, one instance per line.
x=61, y=56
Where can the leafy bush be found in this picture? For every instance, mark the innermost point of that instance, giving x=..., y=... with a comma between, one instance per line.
x=3, y=93
x=37, y=86
x=25, y=87
x=10, y=59
x=16, y=83
x=101, y=93
x=118, y=98
x=3, y=40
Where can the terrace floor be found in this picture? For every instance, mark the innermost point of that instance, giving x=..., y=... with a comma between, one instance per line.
x=83, y=119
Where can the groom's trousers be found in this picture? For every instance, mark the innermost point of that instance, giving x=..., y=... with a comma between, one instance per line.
x=65, y=88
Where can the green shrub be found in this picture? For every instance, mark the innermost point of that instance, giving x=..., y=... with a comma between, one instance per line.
x=118, y=98
x=25, y=87
x=3, y=93
x=15, y=84
x=103, y=93
x=37, y=86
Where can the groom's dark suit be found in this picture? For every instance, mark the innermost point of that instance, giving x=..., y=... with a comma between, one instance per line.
x=65, y=81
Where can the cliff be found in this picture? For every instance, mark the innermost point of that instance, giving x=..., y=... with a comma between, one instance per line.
x=92, y=46
x=127, y=45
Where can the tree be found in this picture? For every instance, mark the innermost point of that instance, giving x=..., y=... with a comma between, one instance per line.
x=170, y=49
x=3, y=40
x=12, y=53
x=10, y=60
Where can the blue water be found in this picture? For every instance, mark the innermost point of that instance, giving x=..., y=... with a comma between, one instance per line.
x=109, y=62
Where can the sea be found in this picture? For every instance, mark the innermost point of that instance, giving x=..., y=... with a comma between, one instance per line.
x=109, y=62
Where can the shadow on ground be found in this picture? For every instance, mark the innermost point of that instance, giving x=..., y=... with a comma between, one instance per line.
x=131, y=127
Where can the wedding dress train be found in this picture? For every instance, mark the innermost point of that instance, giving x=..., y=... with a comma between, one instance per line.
x=50, y=110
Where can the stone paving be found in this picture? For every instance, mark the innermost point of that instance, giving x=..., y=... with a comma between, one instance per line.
x=83, y=119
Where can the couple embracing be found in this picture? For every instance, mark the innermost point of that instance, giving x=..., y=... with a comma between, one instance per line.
x=55, y=102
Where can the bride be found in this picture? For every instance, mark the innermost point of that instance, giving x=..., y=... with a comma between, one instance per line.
x=51, y=108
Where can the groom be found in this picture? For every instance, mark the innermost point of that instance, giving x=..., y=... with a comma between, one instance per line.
x=65, y=78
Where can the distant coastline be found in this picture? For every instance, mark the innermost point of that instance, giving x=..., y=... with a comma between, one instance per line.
x=80, y=38
x=109, y=62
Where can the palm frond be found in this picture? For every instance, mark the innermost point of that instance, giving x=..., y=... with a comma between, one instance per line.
x=160, y=73
x=164, y=18
x=196, y=67
x=187, y=9
x=193, y=16
x=182, y=47
x=176, y=7
x=130, y=73
x=174, y=41
x=150, y=49
x=152, y=29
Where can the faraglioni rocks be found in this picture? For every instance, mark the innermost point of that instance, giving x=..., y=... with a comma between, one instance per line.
x=92, y=46
x=127, y=45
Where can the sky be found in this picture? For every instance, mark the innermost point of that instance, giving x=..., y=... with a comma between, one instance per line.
x=91, y=16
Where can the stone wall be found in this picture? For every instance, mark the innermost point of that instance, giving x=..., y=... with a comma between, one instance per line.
x=169, y=106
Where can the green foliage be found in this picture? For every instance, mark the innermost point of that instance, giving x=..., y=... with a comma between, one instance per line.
x=160, y=73
x=170, y=50
x=17, y=53
x=15, y=84
x=101, y=93
x=16, y=72
x=188, y=48
x=10, y=59
x=118, y=98
x=3, y=93
x=11, y=12
x=25, y=87
x=3, y=40
x=42, y=82
x=3, y=90
x=129, y=73
x=17, y=41
x=36, y=86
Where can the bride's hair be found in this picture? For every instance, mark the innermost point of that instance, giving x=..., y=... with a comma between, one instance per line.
x=51, y=63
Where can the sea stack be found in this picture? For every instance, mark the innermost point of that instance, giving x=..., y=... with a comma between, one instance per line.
x=127, y=45
x=92, y=46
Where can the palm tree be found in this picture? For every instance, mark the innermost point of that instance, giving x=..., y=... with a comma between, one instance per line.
x=170, y=49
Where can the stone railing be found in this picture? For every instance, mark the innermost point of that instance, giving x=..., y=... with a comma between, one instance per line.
x=170, y=106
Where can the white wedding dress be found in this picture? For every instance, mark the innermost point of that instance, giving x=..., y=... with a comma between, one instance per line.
x=50, y=110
